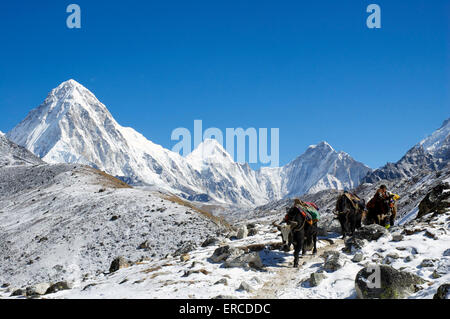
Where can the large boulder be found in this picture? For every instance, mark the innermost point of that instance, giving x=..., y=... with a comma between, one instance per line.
x=353, y=244
x=37, y=290
x=245, y=287
x=185, y=248
x=242, y=232
x=385, y=282
x=210, y=241
x=316, y=278
x=436, y=201
x=442, y=269
x=371, y=232
x=118, y=263
x=225, y=252
x=443, y=292
x=333, y=261
x=62, y=285
x=252, y=260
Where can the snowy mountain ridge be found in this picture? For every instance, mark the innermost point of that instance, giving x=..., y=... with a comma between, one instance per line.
x=429, y=155
x=73, y=126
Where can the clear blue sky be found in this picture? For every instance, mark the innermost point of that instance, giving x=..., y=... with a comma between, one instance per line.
x=311, y=68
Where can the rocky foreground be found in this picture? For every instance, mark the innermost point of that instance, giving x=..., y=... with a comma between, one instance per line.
x=412, y=260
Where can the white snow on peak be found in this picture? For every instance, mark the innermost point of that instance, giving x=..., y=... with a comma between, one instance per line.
x=210, y=150
x=322, y=145
x=1, y=133
x=73, y=126
x=435, y=141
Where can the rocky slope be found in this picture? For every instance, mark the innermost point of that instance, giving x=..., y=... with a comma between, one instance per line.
x=73, y=126
x=12, y=155
x=413, y=261
x=67, y=221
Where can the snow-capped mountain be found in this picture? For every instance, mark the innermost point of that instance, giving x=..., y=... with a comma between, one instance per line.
x=431, y=154
x=334, y=170
x=438, y=144
x=73, y=126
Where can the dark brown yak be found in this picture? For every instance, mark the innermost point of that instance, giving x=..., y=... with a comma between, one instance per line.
x=381, y=211
x=350, y=210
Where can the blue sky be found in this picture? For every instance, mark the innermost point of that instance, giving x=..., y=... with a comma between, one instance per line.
x=311, y=68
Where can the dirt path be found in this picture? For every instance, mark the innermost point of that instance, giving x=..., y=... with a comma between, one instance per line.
x=284, y=275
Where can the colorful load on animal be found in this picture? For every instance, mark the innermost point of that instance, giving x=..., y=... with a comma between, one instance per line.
x=308, y=209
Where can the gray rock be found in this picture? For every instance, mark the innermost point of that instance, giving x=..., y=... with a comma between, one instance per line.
x=224, y=297
x=427, y=263
x=18, y=292
x=393, y=255
x=38, y=289
x=144, y=245
x=252, y=232
x=358, y=257
x=437, y=201
x=390, y=258
x=222, y=281
x=252, y=260
x=333, y=261
x=62, y=285
x=185, y=248
x=225, y=252
x=242, y=232
x=443, y=292
x=353, y=245
x=245, y=287
x=385, y=282
x=371, y=232
x=210, y=241
x=431, y=234
x=446, y=253
x=397, y=237
x=316, y=278
x=117, y=264
x=442, y=269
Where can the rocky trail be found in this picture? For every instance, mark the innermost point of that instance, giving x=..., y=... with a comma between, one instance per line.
x=284, y=274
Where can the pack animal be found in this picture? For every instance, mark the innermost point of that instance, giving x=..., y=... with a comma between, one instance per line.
x=304, y=233
x=350, y=210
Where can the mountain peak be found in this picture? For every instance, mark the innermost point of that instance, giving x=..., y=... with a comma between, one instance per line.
x=446, y=123
x=322, y=147
x=70, y=82
x=210, y=150
x=439, y=139
x=70, y=112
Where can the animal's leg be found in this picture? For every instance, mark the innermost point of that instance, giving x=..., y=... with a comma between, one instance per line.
x=315, y=245
x=298, y=240
x=304, y=243
x=352, y=225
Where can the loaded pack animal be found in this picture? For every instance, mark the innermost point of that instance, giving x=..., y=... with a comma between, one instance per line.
x=299, y=230
x=350, y=210
x=382, y=210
